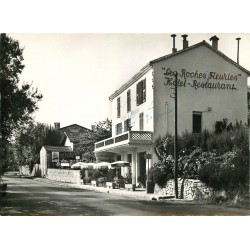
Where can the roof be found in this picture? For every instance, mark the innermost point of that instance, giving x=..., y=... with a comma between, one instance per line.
x=147, y=67
x=74, y=125
x=77, y=137
x=73, y=136
x=58, y=148
x=136, y=77
x=197, y=45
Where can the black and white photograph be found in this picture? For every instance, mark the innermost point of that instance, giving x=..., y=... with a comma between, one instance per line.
x=124, y=126
x=164, y=135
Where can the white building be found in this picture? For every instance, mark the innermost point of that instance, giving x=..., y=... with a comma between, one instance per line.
x=211, y=87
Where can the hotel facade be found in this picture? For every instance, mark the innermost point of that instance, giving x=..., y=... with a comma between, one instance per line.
x=211, y=87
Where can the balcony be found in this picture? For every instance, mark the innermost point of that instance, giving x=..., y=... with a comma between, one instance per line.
x=133, y=138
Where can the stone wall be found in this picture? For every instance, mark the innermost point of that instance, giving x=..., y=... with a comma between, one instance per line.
x=25, y=171
x=64, y=175
x=192, y=190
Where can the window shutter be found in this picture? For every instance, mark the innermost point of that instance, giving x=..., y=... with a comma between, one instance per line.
x=137, y=94
x=125, y=125
x=128, y=101
x=141, y=121
x=144, y=90
x=118, y=107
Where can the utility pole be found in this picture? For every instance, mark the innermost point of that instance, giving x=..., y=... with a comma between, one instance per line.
x=173, y=82
x=175, y=138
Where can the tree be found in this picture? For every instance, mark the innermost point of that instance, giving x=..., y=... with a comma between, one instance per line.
x=248, y=102
x=100, y=131
x=28, y=143
x=19, y=101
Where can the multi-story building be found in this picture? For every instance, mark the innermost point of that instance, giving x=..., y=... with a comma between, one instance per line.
x=211, y=87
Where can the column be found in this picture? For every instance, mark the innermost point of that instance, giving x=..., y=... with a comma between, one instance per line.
x=134, y=165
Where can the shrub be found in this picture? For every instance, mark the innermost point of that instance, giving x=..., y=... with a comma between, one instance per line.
x=160, y=173
x=229, y=171
x=189, y=140
x=218, y=159
x=142, y=179
x=227, y=140
x=95, y=174
x=111, y=174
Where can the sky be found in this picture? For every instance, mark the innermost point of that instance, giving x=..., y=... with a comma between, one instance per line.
x=77, y=72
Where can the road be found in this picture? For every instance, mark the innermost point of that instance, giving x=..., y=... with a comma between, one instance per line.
x=27, y=197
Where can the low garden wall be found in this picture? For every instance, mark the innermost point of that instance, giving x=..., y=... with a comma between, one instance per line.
x=25, y=170
x=192, y=190
x=64, y=175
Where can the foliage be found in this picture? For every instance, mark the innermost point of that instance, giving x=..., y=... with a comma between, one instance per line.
x=161, y=172
x=19, y=101
x=218, y=159
x=248, y=102
x=128, y=178
x=228, y=139
x=111, y=174
x=94, y=174
x=142, y=179
x=102, y=130
x=28, y=143
x=164, y=147
x=229, y=171
x=190, y=162
x=222, y=125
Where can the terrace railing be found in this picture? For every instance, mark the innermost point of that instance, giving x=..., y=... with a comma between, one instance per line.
x=131, y=137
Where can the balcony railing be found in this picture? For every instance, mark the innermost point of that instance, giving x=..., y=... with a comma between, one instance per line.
x=131, y=137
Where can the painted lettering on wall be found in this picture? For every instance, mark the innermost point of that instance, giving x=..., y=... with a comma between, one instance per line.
x=201, y=80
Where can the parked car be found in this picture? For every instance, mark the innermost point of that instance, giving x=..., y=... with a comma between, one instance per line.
x=3, y=188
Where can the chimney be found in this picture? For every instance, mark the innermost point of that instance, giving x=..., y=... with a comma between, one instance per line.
x=185, y=42
x=214, y=40
x=173, y=49
x=57, y=125
x=238, y=49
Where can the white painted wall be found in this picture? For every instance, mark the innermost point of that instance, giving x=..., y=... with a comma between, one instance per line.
x=43, y=161
x=225, y=103
x=68, y=143
x=146, y=107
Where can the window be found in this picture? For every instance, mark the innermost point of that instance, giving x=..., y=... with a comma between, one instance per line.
x=141, y=121
x=197, y=118
x=127, y=124
x=128, y=100
x=118, y=107
x=118, y=128
x=141, y=92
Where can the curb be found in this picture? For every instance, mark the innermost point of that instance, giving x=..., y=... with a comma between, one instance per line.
x=134, y=194
x=99, y=189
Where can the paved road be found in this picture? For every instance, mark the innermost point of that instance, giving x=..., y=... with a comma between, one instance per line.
x=29, y=197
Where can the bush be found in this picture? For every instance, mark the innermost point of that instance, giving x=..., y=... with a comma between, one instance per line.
x=229, y=171
x=160, y=173
x=218, y=159
x=228, y=139
x=111, y=175
x=142, y=179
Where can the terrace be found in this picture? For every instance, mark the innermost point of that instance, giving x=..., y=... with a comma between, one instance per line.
x=129, y=138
